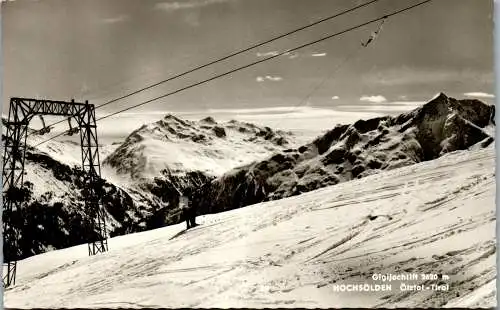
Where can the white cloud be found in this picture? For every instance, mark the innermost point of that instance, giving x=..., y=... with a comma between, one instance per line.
x=290, y=55
x=395, y=107
x=479, y=95
x=413, y=76
x=257, y=110
x=114, y=20
x=187, y=4
x=305, y=118
x=274, y=78
x=335, y=97
x=409, y=103
x=266, y=54
x=318, y=54
x=269, y=78
x=374, y=99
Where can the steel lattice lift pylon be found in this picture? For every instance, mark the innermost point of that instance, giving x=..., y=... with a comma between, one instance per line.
x=21, y=111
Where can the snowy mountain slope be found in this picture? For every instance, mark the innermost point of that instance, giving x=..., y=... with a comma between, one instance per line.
x=53, y=173
x=67, y=149
x=53, y=211
x=353, y=151
x=181, y=145
x=432, y=217
x=160, y=160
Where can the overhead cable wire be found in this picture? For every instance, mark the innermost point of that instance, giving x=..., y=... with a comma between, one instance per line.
x=305, y=100
x=232, y=55
x=253, y=64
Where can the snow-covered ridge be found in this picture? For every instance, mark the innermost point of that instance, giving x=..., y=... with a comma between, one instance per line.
x=434, y=217
x=353, y=151
x=54, y=207
x=345, y=152
x=181, y=146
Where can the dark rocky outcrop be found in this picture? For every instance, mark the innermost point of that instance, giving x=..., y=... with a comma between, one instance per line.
x=347, y=152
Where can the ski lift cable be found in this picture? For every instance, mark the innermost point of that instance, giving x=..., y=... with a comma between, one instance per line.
x=400, y=11
x=307, y=97
x=235, y=54
x=266, y=59
x=305, y=100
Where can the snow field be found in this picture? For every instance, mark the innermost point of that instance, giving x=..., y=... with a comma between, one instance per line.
x=432, y=217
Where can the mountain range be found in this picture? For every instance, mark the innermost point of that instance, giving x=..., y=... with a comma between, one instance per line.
x=233, y=164
x=141, y=182
x=353, y=151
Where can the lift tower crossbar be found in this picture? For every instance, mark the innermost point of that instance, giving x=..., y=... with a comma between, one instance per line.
x=21, y=111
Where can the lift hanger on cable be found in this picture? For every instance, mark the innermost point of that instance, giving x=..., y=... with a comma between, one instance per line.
x=45, y=129
x=374, y=34
x=72, y=130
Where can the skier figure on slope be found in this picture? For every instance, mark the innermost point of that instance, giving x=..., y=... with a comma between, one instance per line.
x=493, y=115
x=188, y=209
x=191, y=212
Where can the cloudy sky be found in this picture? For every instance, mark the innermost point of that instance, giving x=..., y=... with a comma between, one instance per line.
x=101, y=49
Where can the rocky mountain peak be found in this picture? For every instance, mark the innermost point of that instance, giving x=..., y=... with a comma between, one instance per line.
x=351, y=151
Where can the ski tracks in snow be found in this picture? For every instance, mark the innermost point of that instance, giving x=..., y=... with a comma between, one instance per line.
x=434, y=217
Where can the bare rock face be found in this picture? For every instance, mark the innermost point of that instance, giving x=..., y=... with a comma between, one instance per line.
x=445, y=124
x=347, y=152
x=209, y=120
x=219, y=131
